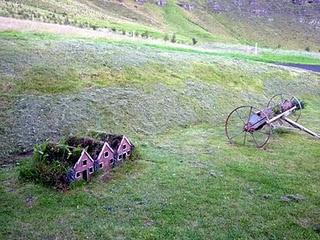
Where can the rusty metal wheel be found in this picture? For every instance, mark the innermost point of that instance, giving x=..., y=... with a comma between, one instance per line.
x=278, y=99
x=235, y=127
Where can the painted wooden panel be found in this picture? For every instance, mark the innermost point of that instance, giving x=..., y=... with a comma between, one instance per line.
x=105, y=157
x=124, y=149
x=84, y=168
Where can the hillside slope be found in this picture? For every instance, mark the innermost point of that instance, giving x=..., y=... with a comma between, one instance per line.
x=53, y=86
x=289, y=24
x=171, y=100
x=189, y=183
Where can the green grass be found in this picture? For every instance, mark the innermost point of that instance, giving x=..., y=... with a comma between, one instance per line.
x=47, y=80
x=28, y=36
x=172, y=102
x=43, y=78
x=189, y=184
x=179, y=23
x=267, y=55
x=286, y=58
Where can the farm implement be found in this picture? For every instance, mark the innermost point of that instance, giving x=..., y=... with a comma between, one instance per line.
x=248, y=125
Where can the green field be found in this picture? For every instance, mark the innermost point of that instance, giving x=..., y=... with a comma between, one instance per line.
x=189, y=184
x=172, y=101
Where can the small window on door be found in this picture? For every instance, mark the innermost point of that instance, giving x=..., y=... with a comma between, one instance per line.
x=84, y=162
x=106, y=154
x=91, y=170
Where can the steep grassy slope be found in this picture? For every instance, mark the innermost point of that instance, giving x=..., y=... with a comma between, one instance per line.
x=71, y=85
x=270, y=23
x=172, y=101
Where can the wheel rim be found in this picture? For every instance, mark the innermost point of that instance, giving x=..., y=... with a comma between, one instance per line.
x=277, y=99
x=235, y=128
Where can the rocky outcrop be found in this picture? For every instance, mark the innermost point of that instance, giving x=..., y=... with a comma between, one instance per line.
x=299, y=11
x=215, y=6
x=161, y=3
x=141, y=2
x=186, y=5
x=302, y=2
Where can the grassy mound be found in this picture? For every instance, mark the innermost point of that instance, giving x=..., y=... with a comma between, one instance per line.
x=50, y=165
x=92, y=146
x=51, y=162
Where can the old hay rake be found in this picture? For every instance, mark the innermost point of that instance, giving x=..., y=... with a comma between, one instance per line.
x=248, y=125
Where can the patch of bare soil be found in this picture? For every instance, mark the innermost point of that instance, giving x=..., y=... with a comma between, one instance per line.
x=12, y=24
x=15, y=158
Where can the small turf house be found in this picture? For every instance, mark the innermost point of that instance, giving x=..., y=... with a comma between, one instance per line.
x=104, y=154
x=124, y=149
x=84, y=167
x=105, y=158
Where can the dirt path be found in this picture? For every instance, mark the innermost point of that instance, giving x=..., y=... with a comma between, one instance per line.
x=34, y=26
x=7, y=24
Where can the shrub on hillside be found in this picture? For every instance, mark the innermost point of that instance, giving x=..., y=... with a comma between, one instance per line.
x=50, y=165
x=145, y=34
x=66, y=21
x=307, y=49
x=173, y=39
x=194, y=41
x=166, y=37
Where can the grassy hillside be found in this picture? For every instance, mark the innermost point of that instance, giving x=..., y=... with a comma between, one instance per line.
x=172, y=101
x=68, y=76
x=271, y=24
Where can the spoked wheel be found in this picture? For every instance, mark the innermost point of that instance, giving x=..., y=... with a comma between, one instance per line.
x=236, y=131
x=278, y=99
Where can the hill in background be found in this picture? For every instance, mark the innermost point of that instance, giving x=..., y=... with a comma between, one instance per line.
x=293, y=24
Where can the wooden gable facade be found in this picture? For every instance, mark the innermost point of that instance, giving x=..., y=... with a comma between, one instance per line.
x=124, y=149
x=84, y=167
x=108, y=157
